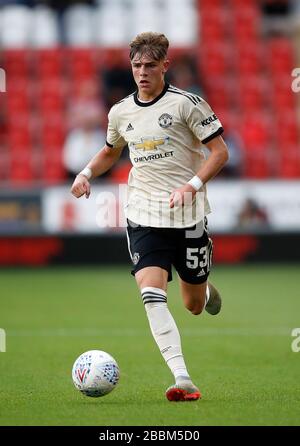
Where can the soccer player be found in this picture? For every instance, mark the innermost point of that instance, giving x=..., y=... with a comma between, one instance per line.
x=165, y=129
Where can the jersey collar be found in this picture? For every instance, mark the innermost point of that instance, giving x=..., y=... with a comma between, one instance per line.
x=147, y=104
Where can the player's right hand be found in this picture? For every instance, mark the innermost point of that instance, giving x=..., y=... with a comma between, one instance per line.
x=81, y=186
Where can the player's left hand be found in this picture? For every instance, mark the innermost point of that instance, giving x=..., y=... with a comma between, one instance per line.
x=184, y=194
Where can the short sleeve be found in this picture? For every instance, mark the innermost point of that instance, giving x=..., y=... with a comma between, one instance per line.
x=113, y=138
x=201, y=119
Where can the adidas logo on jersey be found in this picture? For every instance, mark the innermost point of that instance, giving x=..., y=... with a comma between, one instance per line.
x=129, y=127
x=201, y=273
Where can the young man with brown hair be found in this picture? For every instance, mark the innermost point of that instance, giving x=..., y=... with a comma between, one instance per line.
x=165, y=128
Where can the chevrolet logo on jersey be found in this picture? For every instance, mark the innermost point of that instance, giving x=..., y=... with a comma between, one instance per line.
x=149, y=143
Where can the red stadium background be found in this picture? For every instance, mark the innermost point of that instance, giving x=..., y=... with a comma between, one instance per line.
x=242, y=62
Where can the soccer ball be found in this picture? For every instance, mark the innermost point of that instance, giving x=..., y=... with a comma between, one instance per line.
x=95, y=373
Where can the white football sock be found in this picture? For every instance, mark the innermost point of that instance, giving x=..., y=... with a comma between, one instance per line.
x=164, y=329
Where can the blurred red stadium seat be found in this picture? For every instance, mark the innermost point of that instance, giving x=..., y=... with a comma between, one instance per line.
x=18, y=96
x=286, y=129
x=4, y=163
x=204, y=5
x=19, y=139
x=80, y=63
x=257, y=164
x=249, y=58
x=281, y=56
x=288, y=162
x=52, y=131
x=48, y=62
x=53, y=169
x=50, y=138
x=213, y=33
x=215, y=25
x=246, y=21
x=50, y=96
x=245, y=32
x=283, y=98
x=19, y=134
x=215, y=62
x=254, y=93
x=256, y=129
x=256, y=132
x=246, y=11
x=21, y=168
x=220, y=94
x=243, y=4
x=16, y=63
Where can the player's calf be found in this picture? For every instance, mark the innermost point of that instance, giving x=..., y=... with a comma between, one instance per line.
x=194, y=296
x=197, y=308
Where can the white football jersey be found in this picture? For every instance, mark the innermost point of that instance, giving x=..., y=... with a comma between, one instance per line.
x=164, y=137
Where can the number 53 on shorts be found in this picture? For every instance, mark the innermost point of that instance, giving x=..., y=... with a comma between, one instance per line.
x=199, y=257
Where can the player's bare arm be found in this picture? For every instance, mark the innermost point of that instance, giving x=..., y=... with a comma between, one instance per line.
x=98, y=165
x=217, y=159
x=212, y=166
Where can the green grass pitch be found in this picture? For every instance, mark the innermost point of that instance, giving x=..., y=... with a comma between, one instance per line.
x=241, y=359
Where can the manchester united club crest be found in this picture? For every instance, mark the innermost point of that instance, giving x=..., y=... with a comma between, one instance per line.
x=135, y=258
x=165, y=120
